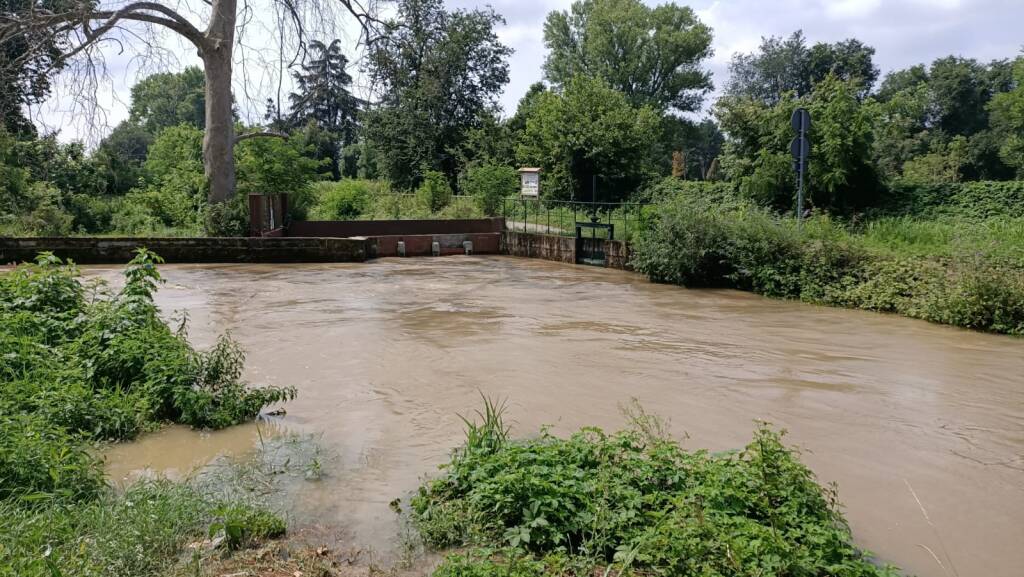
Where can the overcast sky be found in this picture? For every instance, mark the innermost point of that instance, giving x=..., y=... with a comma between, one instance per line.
x=903, y=33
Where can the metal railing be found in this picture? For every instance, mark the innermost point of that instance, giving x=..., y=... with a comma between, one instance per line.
x=560, y=217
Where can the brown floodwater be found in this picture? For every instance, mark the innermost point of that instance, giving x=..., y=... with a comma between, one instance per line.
x=921, y=426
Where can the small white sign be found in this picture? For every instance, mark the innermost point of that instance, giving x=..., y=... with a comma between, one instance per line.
x=530, y=183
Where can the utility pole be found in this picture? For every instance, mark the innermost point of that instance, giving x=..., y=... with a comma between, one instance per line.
x=800, y=148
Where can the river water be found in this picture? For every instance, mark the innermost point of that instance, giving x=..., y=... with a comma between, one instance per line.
x=921, y=426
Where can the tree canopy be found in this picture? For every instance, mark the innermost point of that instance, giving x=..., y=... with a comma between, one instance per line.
x=782, y=65
x=652, y=55
x=586, y=134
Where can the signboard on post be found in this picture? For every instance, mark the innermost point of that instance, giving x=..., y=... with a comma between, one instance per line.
x=800, y=148
x=529, y=179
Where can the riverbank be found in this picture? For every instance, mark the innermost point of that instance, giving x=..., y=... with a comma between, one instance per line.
x=960, y=272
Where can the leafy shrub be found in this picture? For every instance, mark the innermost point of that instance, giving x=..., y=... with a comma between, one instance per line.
x=633, y=500
x=980, y=199
x=75, y=370
x=342, y=200
x=489, y=184
x=671, y=187
x=697, y=241
x=434, y=193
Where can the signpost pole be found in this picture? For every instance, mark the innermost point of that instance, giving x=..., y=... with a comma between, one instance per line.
x=800, y=148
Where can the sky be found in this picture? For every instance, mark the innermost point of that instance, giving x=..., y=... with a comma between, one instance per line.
x=903, y=33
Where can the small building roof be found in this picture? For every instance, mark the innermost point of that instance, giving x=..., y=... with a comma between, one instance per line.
x=529, y=169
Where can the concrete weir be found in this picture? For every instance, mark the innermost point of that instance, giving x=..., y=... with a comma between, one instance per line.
x=328, y=241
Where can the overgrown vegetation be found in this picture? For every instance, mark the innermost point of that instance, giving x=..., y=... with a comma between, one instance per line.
x=631, y=502
x=959, y=271
x=83, y=364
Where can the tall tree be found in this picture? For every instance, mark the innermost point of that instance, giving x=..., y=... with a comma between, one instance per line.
x=26, y=61
x=322, y=92
x=589, y=134
x=78, y=26
x=1007, y=119
x=652, y=55
x=169, y=99
x=841, y=176
x=783, y=65
x=437, y=74
x=323, y=105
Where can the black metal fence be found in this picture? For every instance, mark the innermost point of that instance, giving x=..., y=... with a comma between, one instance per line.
x=620, y=220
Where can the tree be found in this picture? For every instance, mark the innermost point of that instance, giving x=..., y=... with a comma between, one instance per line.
x=652, y=55
x=323, y=92
x=588, y=134
x=322, y=103
x=25, y=63
x=783, y=65
x=169, y=99
x=489, y=184
x=437, y=73
x=78, y=26
x=922, y=110
x=841, y=176
x=1007, y=118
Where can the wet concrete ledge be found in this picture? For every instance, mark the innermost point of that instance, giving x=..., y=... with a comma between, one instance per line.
x=564, y=248
x=119, y=250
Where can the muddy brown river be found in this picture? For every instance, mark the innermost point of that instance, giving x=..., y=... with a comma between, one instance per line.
x=921, y=426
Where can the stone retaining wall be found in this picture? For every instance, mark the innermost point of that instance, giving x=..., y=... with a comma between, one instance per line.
x=103, y=250
x=562, y=248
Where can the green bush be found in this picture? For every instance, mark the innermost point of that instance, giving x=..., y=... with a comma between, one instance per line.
x=343, y=200
x=965, y=273
x=77, y=369
x=977, y=200
x=434, y=193
x=635, y=501
x=489, y=185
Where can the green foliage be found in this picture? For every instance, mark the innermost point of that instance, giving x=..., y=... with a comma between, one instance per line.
x=632, y=501
x=841, y=176
x=788, y=65
x=489, y=185
x=434, y=193
x=78, y=369
x=662, y=66
x=241, y=524
x=168, y=99
x=589, y=130
x=961, y=274
x=273, y=166
x=140, y=533
x=344, y=200
x=972, y=200
x=1007, y=119
x=439, y=72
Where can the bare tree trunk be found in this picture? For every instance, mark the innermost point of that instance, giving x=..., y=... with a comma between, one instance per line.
x=219, y=139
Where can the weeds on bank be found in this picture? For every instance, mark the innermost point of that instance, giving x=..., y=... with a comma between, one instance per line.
x=631, y=502
x=81, y=365
x=967, y=274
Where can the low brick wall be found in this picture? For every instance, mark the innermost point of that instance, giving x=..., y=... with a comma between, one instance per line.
x=562, y=248
x=100, y=250
x=420, y=245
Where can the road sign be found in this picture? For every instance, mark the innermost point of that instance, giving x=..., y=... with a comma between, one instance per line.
x=801, y=120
